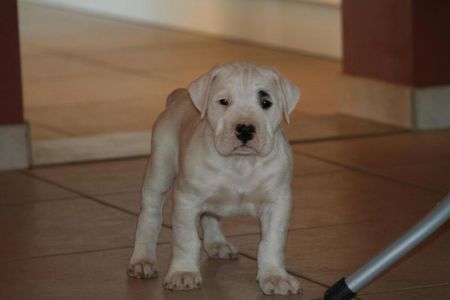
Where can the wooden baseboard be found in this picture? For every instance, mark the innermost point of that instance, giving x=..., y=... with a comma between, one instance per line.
x=396, y=104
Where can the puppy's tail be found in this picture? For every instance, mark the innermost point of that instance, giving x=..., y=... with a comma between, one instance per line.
x=176, y=94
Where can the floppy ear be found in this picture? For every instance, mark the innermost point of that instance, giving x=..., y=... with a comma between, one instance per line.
x=290, y=94
x=199, y=92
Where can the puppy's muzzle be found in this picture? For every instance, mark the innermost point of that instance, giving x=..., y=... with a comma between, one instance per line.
x=245, y=132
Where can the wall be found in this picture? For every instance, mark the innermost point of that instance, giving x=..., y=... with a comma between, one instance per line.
x=10, y=86
x=14, y=132
x=312, y=26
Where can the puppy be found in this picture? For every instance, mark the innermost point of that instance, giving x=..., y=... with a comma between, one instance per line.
x=218, y=149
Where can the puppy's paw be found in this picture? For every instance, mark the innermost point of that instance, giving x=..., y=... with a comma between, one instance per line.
x=183, y=281
x=281, y=285
x=221, y=250
x=142, y=269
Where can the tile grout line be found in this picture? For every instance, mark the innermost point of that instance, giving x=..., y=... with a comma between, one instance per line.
x=299, y=228
x=91, y=161
x=51, y=128
x=412, y=288
x=62, y=254
x=108, y=66
x=80, y=194
x=368, y=172
x=349, y=137
x=67, y=198
x=83, y=195
x=71, y=253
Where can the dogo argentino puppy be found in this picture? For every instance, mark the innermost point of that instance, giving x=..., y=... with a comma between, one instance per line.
x=218, y=150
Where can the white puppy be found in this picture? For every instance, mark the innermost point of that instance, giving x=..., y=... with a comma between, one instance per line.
x=220, y=151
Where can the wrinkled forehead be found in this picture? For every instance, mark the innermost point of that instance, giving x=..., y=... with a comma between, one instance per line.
x=243, y=79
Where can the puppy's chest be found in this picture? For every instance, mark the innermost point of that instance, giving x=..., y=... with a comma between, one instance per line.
x=237, y=190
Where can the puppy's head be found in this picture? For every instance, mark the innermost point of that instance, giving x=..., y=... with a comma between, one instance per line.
x=244, y=104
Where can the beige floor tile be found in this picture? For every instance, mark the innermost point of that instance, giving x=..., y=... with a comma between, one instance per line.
x=351, y=197
x=104, y=87
x=304, y=165
x=434, y=175
x=29, y=48
x=198, y=55
x=56, y=227
x=421, y=159
x=101, y=275
x=119, y=145
x=431, y=293
x=17, y=188
x=327, y=254
x=97, y=178
x=311, y=75
x=55, y=67
x=71, y=31
x=92, y=118
x=384, y=151
x=39, y=132
x=311, y=127
x=130, y=201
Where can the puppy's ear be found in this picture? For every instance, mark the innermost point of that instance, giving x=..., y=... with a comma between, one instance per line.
x=199, y=91
x=290, y=95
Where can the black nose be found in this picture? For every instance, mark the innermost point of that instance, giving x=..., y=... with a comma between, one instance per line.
x=245, y=132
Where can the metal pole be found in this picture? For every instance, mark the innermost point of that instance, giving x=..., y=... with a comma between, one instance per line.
x=347, y=288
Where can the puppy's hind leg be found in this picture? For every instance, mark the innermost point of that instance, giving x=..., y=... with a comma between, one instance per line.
x=214, y=241
x=158, y=180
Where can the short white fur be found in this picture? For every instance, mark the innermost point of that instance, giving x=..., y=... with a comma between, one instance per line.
x=199, y=162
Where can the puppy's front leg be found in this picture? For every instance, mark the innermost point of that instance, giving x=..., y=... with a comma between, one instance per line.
x=183, y=272
x=143, y=260
x=272, y=275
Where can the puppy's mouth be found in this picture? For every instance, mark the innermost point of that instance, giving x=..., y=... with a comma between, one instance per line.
x=244, y=149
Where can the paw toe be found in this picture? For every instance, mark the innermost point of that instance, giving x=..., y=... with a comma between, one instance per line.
x=281, y=285
x=222, y=250
x=142, y=270
x=182, y=281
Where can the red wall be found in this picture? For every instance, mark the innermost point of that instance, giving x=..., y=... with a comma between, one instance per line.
x=431, y=42
x=10, y=79
x=402, y=41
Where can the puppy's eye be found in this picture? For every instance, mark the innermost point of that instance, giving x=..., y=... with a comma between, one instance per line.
x=266, y=104
x=224, y=102
x=264, y=99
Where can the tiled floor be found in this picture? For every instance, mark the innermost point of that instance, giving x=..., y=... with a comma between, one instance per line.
x=66, y=231
x=87, y=80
